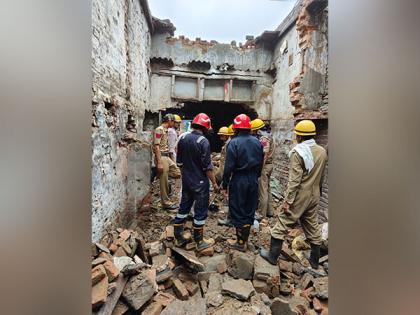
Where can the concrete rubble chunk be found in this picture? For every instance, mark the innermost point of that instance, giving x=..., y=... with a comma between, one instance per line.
x=286, y=266
x=164, y=298
x=170, y=232
x=211, y=263
x=281, y=307
x=99, y=293
x=306, y=281
x=194, y=306
x=298, y=303
x=138, y=291
x=238, y=288
x=98, y=273
x=222, y=267
x=121, y=262
x=132, y=269
x=241, y=265
x=321, y=288
x=214, y=299
x=215, y=282
x=190, y=260
x=263, y=270
x=160, y=262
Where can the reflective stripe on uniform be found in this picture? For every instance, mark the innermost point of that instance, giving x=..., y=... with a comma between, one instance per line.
x=200, y=138
x=199, y=222
x=181, y=216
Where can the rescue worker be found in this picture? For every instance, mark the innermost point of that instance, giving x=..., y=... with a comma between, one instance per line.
x=231, y=133
x=165, y=166
x=173, y=134
x=307, y=165
x=194, y=159
x=224, y=136
x=244, y=158
x=172, y=141
x=265, y=206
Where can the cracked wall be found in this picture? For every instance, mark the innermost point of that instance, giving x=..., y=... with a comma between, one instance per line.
x=121, y=42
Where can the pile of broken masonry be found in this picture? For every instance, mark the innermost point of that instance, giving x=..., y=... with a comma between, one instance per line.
x=130, y=276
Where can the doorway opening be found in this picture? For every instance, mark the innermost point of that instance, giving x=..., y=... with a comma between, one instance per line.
x=220, y=113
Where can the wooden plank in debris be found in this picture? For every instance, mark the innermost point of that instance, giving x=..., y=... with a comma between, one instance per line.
x=112, y=299
x=190, y=260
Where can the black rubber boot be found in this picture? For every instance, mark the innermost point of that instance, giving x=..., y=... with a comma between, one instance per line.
x=273, y=254
x=180, y=240
x=199, y=239
x=314, y=257
x=242, y=235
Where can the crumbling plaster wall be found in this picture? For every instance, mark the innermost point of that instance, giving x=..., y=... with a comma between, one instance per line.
x=121, y=42
x=287, y=58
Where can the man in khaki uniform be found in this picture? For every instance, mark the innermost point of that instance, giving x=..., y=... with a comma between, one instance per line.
x=225, y=137
x=165, y=166
x=307, y=165
x=265, y=198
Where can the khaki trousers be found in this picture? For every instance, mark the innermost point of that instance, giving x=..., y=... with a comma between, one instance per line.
x=264, y=192
x=304, y=209
x=169, y=170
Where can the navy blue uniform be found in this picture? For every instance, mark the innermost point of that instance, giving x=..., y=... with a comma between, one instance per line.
x=194, y=159
x=244, y=158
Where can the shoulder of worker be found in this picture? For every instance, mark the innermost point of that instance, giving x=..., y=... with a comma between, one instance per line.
x=321, y=151
x=160, y=129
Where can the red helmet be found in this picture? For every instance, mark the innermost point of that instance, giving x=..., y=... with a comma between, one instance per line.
x=242, y=121
x=202, y=120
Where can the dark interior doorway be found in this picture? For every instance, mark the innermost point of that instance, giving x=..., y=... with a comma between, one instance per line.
x=221, y=114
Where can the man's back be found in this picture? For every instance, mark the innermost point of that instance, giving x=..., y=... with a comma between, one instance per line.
x=244, y=153
x=194, y=157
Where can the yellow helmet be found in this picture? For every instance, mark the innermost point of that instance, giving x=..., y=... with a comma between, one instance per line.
x=305, y=128
x=257, y=124
x=177, y=118
x=231, y=132
x=224, y=131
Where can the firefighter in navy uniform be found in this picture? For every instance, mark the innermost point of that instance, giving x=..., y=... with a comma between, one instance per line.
x=194, y=159
x=243, y=165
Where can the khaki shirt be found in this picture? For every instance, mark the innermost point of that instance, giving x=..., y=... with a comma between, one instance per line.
x=268, y=148
x=301, y=185
x=223, y=154
x=160, y=137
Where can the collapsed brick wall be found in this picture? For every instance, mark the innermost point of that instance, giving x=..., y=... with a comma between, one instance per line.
x=121, y=42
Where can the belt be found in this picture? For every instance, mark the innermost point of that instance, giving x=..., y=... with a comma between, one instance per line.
x=165, y=154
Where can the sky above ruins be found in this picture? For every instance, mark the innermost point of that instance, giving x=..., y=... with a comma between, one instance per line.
x=222, y=20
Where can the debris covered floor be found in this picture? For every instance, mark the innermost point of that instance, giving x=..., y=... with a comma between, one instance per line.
x=139, y=271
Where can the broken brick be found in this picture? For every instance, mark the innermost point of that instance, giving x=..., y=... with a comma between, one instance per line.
x=99, y=292
x=154, y=308
x=164, y=298
x=191, y=287
x=286, y=266
x=180, y=289
x=98, y=273
x=111, y=270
